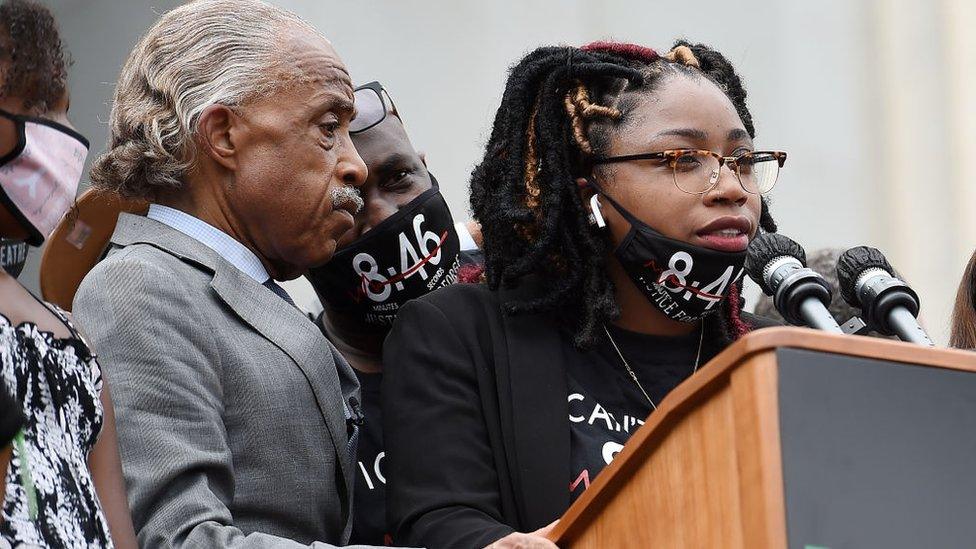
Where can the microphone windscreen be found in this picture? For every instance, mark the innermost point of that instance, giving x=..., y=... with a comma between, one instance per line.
x=767, y=247
x=852, y=263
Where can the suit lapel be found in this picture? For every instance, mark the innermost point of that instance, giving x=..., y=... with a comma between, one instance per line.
x=288, y=329
x=280, y=323
x=528, y=368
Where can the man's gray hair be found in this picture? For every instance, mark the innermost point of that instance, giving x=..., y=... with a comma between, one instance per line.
x=203, y=53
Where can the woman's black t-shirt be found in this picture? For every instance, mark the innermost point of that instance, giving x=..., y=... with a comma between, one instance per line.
x=605, y=405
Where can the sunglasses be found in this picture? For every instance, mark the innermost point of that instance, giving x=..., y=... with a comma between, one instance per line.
x=372, y=105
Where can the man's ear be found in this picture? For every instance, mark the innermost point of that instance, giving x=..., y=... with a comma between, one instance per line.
x=423, y=157
x=474, y=229
x=218, y=131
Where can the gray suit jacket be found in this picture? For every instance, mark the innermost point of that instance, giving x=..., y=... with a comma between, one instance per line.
x=228, y=399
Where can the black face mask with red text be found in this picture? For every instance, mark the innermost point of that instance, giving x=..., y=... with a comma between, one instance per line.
x=411, y=253
x=685, y=282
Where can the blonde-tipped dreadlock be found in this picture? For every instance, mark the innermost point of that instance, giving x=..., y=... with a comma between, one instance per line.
x=531, y=163
x=682, y=54
x=580, y=109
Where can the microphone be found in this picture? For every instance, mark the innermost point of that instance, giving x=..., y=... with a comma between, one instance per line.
x=889, y=306
x=801, y=295
x=356, y=416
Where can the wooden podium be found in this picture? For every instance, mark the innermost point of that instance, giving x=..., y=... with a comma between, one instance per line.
x=797, y=438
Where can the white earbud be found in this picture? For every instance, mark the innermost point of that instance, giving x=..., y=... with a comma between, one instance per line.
x=596, y=216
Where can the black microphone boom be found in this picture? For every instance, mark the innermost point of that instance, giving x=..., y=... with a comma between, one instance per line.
x=801, y=295
x=889, y=306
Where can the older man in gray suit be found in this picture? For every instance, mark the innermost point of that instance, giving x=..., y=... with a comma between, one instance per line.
x=236, y=418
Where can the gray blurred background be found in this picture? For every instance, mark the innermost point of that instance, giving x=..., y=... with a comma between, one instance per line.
x=875, y=101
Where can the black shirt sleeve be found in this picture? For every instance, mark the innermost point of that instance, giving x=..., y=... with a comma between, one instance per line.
x=11, y=417
x=442, y=487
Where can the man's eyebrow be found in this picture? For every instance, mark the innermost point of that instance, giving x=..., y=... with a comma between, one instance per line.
x=333, y=103
x=343, y=105
x=690, y=133
x=737, y=134
x=392, y=162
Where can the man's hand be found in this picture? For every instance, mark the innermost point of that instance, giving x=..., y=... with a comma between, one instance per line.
x=531, y=540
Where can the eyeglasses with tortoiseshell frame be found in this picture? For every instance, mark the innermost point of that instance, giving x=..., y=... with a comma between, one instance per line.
x=697, y=171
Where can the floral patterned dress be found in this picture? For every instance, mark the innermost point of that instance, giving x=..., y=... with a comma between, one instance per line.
x=52, y=501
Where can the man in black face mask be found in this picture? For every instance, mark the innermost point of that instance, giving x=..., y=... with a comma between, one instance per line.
x=404, y=244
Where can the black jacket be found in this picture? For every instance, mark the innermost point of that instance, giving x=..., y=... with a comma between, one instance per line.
x=475, y=418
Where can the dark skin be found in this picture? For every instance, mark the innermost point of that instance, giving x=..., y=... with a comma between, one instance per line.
x=397, y=175
x=265, y=171
x=646, y=189
x=684, y=113
x=18, y=305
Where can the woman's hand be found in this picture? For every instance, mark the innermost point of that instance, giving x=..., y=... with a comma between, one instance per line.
x=531, y=540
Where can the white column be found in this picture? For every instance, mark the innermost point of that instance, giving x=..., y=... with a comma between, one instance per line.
x=916, y=195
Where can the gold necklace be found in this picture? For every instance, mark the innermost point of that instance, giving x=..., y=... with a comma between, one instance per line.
x=630, y=371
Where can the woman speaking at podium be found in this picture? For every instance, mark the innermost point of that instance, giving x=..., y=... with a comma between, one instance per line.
x=618, y=193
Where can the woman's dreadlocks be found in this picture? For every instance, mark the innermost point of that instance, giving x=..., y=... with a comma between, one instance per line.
x=558, y=111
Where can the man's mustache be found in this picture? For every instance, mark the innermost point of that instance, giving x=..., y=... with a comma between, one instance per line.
x=345, y=196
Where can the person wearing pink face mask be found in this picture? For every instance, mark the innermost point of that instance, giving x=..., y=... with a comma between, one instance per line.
x=62, y=479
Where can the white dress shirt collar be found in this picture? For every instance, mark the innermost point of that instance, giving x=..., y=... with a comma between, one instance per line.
x=225, y=245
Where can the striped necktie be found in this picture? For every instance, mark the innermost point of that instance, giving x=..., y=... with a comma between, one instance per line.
x=279, y=291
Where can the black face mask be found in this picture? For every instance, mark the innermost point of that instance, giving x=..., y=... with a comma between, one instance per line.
x=13, y=256
x=411, y=253
x=683, y=281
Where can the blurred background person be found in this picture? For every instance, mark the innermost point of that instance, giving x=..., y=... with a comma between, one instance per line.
x=962, y=332
x=63, y=481
x=404, y=244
